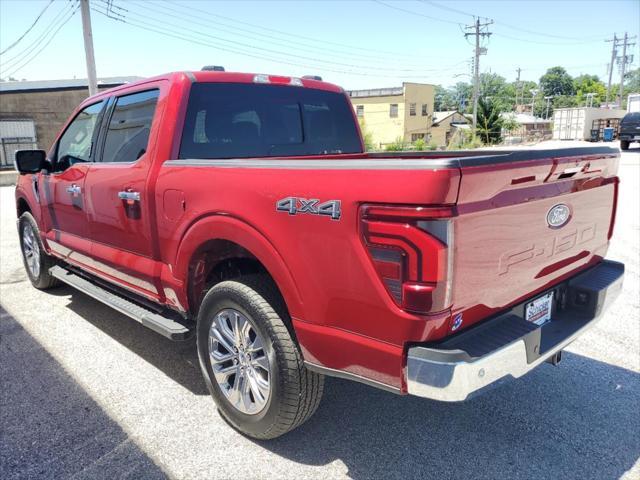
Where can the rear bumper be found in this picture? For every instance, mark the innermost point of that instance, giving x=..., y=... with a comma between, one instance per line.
x=632, y=137
x=508, y=346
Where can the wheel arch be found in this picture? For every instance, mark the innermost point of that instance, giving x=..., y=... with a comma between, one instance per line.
x=218, y=248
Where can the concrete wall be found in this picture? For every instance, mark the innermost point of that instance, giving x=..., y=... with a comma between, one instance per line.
x=376, y=120
x=420, y=94
x=385, y=129
x=48, y=109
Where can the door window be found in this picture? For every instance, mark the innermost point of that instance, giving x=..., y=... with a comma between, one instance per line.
x=76, y=143
x=129, y=127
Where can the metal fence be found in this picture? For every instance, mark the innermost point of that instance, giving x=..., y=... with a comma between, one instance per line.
x=9, y=146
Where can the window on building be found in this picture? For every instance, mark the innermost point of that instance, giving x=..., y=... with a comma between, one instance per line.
x=424, y=110
x=412, y=109
x=360, y=110
x=416, y=136
x=76, y=142
x=393, y=110
x=129, y=127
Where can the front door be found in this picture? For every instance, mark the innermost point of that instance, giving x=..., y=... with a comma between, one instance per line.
x=119, y=208
x=62, y=191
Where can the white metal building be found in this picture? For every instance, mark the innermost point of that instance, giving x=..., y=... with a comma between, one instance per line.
x=576, y=123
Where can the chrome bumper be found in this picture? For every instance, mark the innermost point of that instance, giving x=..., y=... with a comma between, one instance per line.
x=448, y=372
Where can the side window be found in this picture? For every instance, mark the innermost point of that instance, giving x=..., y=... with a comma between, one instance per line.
x=129, y=127
x=76, y=142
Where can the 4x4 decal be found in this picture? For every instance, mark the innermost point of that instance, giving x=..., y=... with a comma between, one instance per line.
x=294, y=205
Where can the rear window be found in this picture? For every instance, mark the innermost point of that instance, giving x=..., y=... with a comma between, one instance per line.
x=248, y=120
x=631, y=117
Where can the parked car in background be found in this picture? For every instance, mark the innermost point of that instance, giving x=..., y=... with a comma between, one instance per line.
x=242, y=209
x=629, y=131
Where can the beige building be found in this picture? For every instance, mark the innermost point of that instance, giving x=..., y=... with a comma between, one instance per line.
x=390, y=113
x=444, y=126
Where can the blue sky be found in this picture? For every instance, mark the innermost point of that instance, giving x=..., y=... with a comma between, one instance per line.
x=357, y=44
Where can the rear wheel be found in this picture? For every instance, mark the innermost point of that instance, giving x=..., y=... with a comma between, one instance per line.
x=36, y=261
x=253, y=367
x=624, y=144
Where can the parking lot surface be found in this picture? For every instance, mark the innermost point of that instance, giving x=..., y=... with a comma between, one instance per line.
x=88, y=393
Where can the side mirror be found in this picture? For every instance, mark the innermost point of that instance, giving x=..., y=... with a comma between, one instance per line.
x=31, y=161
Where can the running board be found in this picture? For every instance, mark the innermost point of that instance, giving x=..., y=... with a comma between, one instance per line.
x=165, y=326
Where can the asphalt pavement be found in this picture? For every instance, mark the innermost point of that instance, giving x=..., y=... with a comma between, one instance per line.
x=87, y=393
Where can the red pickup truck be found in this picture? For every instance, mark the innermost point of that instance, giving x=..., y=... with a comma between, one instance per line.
x=242, y=209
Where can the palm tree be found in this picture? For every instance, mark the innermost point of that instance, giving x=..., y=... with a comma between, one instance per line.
x=489, y=125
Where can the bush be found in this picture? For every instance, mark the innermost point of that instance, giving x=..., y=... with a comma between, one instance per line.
x=397, y=146
x=420, y=144
x=465, y=140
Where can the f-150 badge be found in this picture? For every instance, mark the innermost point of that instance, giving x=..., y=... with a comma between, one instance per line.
x=295, y=205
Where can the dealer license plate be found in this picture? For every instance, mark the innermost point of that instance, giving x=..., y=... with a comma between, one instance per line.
x=538, y=311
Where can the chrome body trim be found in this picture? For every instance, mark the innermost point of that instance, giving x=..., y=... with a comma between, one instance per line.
x=323, y=164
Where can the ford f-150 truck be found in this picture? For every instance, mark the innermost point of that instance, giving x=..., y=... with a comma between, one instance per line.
x=243, y=209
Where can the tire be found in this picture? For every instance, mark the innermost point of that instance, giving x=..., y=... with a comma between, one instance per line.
x=292, y=394
x=36, y=262
x=624, y=144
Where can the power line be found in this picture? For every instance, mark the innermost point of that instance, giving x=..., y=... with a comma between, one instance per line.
x=179, y=35
x=305, y=44
x=28, y=29
x=511, y=26
x=45, y=44
x=11, y=62
x=241, y=47
x=226, y=40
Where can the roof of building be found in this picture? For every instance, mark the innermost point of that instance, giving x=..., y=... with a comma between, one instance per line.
x=67, y=84
x=376, y=92
x=524, y=118
x=440, y=116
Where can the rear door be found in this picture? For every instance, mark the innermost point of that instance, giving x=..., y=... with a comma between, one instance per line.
x=119, y=198
x=510, y=239
x=63, y=191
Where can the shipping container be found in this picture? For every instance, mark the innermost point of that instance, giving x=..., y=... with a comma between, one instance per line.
x=576, y=123
x=633, y=102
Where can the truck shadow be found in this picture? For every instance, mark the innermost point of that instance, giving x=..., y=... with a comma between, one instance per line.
x=179, y=360
x=579, y=420
x=51, y=428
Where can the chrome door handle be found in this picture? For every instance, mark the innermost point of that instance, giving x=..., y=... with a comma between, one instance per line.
x=74, y=190
x=129, y=196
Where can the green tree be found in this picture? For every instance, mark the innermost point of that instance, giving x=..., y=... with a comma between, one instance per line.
x=489, y=125
x=557, y=82
x=495, y=88
x=585, y=84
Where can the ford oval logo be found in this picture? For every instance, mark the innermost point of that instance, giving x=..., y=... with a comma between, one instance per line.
x=558, y=215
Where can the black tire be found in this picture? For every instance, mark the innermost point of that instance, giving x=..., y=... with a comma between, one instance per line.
x=624, y=144
x=295, y=392
x=41, y=278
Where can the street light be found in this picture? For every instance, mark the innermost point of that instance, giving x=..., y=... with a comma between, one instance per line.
x=534, y=92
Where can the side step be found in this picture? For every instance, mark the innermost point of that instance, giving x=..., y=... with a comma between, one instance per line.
x=165, y=326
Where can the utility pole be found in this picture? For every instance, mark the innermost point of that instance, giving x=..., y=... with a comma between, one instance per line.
x=548, y=99
x=88, y=47
x=479, y=30
x=614, y=44
x=624, y=60
x=517, y=86
x=534, y=92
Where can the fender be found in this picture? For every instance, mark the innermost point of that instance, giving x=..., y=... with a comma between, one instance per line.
x=223, y=227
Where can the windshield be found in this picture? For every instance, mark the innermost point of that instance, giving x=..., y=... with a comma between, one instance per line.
x=247, y=120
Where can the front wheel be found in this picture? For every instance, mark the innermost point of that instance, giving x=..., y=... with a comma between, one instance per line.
x=624, y=144
x=251, y=364
x=36, y=261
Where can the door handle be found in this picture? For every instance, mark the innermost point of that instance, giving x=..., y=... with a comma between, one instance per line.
x=129, y=196
x=74, y=190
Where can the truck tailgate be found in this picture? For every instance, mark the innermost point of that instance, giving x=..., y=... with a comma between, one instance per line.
x=505, y=247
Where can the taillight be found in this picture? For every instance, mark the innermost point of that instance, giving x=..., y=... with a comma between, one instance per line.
x=411, y=250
